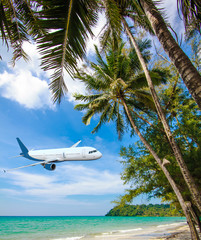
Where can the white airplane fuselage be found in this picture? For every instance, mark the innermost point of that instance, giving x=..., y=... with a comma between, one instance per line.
x=65, y=154
x=49, y=157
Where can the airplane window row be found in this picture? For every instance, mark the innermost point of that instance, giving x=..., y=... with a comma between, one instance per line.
x=92, y=151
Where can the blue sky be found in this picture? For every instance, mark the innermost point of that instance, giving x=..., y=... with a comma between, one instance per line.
x=81, y=188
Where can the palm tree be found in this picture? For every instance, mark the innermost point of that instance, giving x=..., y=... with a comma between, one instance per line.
x=186, y=69
x=117, y=90
x=123, y=9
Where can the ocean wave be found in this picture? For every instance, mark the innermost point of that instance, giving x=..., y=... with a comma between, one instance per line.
x=130, y=230
x=69, y=238
x=171, y=225
x=109, y=233
x=121, y=231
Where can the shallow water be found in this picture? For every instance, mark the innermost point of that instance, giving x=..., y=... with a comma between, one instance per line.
x=73, y=228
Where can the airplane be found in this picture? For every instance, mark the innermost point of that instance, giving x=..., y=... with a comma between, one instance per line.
x=49, y=157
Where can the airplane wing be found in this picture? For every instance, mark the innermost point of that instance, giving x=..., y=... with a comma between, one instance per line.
x=30, y=165
x=75, y=145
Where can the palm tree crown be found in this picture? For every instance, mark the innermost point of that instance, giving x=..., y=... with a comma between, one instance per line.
x=116, y=79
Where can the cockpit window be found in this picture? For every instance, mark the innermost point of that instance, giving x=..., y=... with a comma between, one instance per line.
x=93, y=151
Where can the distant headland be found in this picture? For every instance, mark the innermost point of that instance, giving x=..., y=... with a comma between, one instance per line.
x=151, y=210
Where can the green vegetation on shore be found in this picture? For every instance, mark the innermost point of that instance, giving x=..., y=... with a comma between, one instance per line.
x=151, y=210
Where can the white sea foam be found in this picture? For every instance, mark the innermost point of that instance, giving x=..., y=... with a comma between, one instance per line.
x=117, y=233
x=108, y=233
x=130, y=230
x=69, y=238
x=121, y=231
x=171, y=225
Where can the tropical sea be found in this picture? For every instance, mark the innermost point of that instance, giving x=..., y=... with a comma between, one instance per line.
x=74, y=228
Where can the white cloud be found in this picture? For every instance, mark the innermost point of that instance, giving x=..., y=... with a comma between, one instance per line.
x=21, y=86
x=96, y=31
x=67, y=180
x=33, y=65
x=26, y=83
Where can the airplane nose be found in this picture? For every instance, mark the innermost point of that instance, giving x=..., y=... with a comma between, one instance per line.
x=99, y=154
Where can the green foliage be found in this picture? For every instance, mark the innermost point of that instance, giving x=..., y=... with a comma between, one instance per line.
x=140, y=169
x=116, y=12
x=18, y=22
x=61, y=29
x=68, y=24
x=115, y=80
x=191, y=14
x=151, y=210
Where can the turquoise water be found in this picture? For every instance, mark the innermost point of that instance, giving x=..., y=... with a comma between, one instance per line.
x=64, y=228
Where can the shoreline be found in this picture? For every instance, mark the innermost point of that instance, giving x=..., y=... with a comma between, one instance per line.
x=160, y=232
x=181, y=233
x=172, y=233
x=92, y=228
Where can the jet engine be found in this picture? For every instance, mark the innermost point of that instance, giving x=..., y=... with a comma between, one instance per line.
x=50, y=166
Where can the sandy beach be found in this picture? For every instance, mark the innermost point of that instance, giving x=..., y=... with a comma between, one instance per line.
x=181, y=233
x=176, y=233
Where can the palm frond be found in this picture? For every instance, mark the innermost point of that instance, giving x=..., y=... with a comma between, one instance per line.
x=144, y=47
x=82, y=107
x=113, y=16
x=100, y=73
x=13, y=29
x=91, y=81
x=158, y=76
x=103, y=118
x=86, y=98
x=4, y=25
x=29, y=16
x=87, y=117
x=105, y=37
x=144, y=99
x=99, y=59
x=120, y=125
x=112, y=84
x=137, y=15
x=191, y=12
x=113, y=111
x=68, y=24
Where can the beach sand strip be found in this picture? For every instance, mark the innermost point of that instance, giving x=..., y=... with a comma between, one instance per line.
x=181, y=233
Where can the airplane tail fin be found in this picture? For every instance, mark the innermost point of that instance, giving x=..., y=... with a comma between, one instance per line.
x=22, y=146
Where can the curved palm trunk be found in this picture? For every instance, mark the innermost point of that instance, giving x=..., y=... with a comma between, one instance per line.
x=177, y=153
x=194, y=234
x=188, y=72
